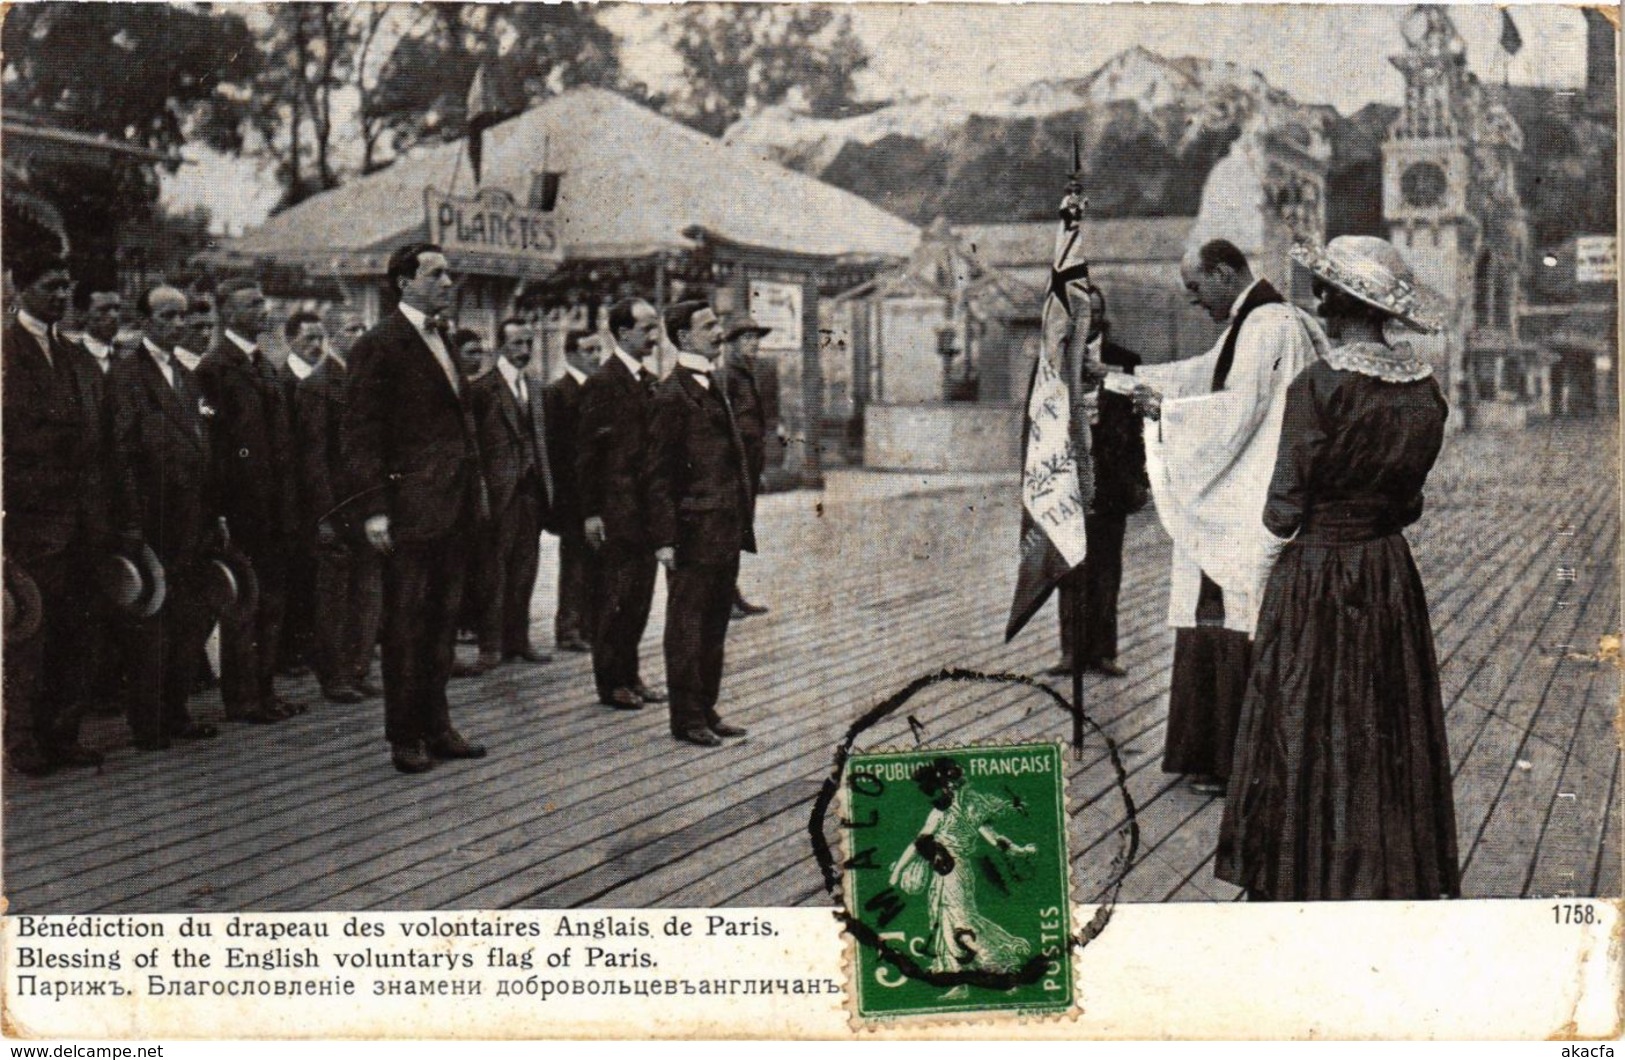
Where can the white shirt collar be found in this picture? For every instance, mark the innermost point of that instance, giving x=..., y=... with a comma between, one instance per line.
x=694, y=362
x=240, y=342
x=34, y=326
x=99, y=350
x=333, y=355
x=417, y=318
x=575, y=373
x=300, y=367
x=159, y=354
x=510, y=373
x=1235, y=306
x=633, y=365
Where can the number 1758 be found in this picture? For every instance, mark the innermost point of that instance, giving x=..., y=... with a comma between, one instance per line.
x=1574, y=913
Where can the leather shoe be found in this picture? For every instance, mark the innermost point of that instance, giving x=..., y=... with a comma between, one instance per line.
x=576, y=644
x=743, y=608
x=285, y=708
x=1208, y=785
x=701, y=737
x=482, y=665
x=151, y=743
x=410, y=758
x=622, y=699
x=647, y=694
x=452, y=745
x=1108, y=668
x=1060, y=669
x=529, y=655
x=722, y=728
x=192, y=730
x=28, y=760
x=367, y=688
x=254, y=715
x=74, y=754
x=342, y=694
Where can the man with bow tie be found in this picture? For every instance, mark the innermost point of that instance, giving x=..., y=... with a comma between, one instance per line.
x=56, y=501
x=512, y=426
x=616, y=402
x=701, y=503
x=253, y=455
x=411, y=452
x=162, y=438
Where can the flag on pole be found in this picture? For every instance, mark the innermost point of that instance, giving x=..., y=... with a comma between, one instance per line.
x=1511, y=39
x=494, y=96
x=1057, y=472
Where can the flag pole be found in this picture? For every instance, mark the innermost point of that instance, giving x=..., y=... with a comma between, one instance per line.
x=1076, y=618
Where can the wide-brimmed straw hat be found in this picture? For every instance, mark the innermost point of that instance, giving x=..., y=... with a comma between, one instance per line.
x=1372, y=270
x=132, y=578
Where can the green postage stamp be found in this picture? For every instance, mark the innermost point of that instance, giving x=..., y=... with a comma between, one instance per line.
x=957, y=881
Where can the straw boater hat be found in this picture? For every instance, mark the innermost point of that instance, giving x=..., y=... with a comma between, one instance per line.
x=230, y=587
x=133, y=579
x=1373, y=271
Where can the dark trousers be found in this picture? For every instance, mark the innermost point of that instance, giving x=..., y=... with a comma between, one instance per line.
x=423, y=588
x=163, y=654
x=1205, y=690
x=699, y=603
x=508, y=563
x=1099, y=580
x=626, y=588
x=248, y=648
x=349, y=604
x=577, y=606
x=297, y=646
x=45, y=677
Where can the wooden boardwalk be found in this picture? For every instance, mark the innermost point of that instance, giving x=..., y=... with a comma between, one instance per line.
x=870, y=587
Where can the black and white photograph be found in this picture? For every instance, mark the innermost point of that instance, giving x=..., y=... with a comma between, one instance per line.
x=471, y=456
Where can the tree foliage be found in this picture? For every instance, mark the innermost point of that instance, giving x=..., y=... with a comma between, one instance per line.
x=738, y=58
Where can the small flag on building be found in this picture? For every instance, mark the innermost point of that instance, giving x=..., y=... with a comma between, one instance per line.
x=1057, y=471
x=1511, y=39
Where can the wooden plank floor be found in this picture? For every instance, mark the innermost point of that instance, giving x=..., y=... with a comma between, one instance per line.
x=874, y=582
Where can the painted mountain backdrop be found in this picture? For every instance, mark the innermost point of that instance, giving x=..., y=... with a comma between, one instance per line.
x=1151, y=129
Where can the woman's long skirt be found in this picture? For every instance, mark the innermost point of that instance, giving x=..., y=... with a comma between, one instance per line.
x=1340, y=787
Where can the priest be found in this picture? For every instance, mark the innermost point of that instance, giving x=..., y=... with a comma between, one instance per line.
x=1213, y=425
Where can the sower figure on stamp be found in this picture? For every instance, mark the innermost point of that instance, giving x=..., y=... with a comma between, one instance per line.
x=170, y=499
x=574, y=618
x=1210, y=452
x=56, y=509
x=1118, y=451
x=616, y=402
x=701, y=503
x=348, y=589
x=253, y=457
x=512, y=425
x=412, y=457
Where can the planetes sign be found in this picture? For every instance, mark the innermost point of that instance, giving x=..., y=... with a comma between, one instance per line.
x=492, y=233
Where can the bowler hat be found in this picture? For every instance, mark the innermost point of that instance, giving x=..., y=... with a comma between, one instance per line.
x=132, y=578
x=743, y=325
x=23, y=609
x=230, y=587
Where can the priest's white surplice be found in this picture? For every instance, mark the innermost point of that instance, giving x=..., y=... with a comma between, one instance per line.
x=1211, y=456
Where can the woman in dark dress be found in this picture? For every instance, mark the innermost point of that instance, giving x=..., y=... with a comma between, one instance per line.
x=1340, y=787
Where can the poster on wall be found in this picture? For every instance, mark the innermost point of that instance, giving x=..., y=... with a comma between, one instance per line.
x=777, y=306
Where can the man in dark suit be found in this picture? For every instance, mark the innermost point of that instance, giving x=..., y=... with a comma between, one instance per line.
x=573, y=619
x=200, y=327
x=756, y=410
x=412, y=457
x=306, y=339
x=253, y=454
x=99, y=308
x=161, y=437
x=616, y=402
x=700, y=517
x=512, y=423
x=347, y=592
x=1121, y=488
x=56, y=498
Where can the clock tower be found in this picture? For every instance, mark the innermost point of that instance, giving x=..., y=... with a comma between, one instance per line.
x=1451, y=206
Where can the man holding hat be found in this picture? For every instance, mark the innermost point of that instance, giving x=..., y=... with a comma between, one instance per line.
x=701, y=500
x=56, y=507
x=753, y=387
x=161, y=436
x=573, y=620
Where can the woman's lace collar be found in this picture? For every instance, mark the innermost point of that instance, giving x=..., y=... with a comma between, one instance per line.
x=1398, y=363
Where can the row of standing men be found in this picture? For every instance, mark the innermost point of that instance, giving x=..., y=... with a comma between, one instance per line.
x=223, y=484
